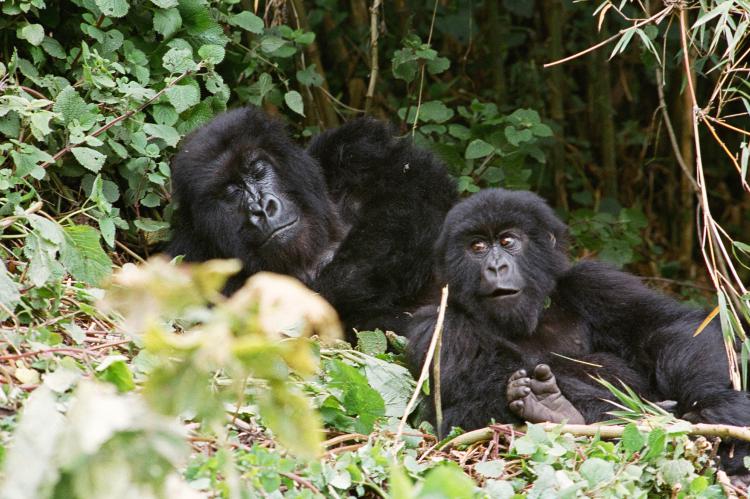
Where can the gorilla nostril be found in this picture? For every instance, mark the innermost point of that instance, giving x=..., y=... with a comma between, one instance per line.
x=255, y=209
x=272, y=207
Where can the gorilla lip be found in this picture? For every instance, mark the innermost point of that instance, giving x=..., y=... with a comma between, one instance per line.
x=279, y=230
x=504, y=293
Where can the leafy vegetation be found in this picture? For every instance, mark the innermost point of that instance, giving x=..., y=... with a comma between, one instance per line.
x=160, y=387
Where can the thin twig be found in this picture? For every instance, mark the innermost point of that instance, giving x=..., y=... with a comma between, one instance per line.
x=427, y=361
x=301, y=481
x=670, y=130
x=658, y=15
x=421, y=75
x=437, y=398
x=374, y=67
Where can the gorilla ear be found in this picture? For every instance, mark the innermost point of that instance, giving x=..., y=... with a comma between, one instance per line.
x=558, y=236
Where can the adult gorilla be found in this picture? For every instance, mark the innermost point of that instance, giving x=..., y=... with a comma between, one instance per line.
x=354, y=217
x=517, y=306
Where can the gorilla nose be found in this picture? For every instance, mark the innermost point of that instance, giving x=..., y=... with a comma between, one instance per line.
x=269, y=207
x=497, y=268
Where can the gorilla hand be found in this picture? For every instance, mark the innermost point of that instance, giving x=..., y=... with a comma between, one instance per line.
x=538, y=398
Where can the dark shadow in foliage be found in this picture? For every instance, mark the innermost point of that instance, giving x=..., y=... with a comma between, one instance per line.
x=354, y=216
x=516, y=301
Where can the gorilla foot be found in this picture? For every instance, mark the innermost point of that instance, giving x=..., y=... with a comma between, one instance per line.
x=538, y=398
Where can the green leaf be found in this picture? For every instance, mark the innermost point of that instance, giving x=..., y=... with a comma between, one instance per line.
x=167, y=22
x=53, y=48
x=89, y=158
x=113, y=8
x=28, y=161
x=32, y=33
x=371, y=342
x=165, y=4
x=83, y=256
x=292, y=419
x=247, y=21
x=179, y=60
x=212, y=54
x=447, y=481
x=596, y=471
x=271, y=43
x=490, y=469
x=632, y=439
x=115, y=370
x=309, y=77
x=435, y=111
x=183, y=97
x=542, y=130
x=9, y=292
x=516, y=137
x=293, y=99
x=438, y=65
x=361, y=401
x=70, y=105
x=165, y=132
x=478, y=148
x=149, y=225
x=657, y=442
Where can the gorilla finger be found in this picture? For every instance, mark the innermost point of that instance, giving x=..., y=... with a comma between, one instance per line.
x=518, y=392
x=520, y=382
x=521, y=373
x=542, y=372
x=517, y=406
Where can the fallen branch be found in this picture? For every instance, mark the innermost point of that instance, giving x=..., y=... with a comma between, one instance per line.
x=602, y=430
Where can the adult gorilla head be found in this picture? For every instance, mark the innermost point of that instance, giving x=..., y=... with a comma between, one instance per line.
x=502, y=267
x=246, y=191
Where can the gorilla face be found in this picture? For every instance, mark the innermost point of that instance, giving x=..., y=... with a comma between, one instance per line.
x=501, y=253
x=248, y=192
x=270, y=218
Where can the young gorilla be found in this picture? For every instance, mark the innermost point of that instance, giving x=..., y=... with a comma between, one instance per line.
x=517, y=305
x=359, y=229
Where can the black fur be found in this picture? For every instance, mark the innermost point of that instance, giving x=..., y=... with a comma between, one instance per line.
x=368, y=207
x=587, y=311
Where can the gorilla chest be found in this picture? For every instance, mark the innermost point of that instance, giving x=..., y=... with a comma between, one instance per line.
x=558, y=332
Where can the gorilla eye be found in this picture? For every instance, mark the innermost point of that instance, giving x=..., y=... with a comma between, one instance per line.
x=508, y=242
x=478, y=246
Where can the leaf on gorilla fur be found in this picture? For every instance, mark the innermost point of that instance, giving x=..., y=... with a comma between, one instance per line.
x=293, y=99
x=83, y=256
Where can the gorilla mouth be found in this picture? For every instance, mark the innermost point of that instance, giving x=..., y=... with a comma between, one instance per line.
x=280, y=230
x=504, y=292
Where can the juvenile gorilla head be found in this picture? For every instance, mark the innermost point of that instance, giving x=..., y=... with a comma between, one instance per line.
x=246, y=191
x=500, y=253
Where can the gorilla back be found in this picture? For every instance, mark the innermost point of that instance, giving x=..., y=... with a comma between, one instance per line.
x=245, y=190
x=525, y=328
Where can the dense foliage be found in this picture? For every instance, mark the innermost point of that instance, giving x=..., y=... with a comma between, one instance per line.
x=165, y=388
